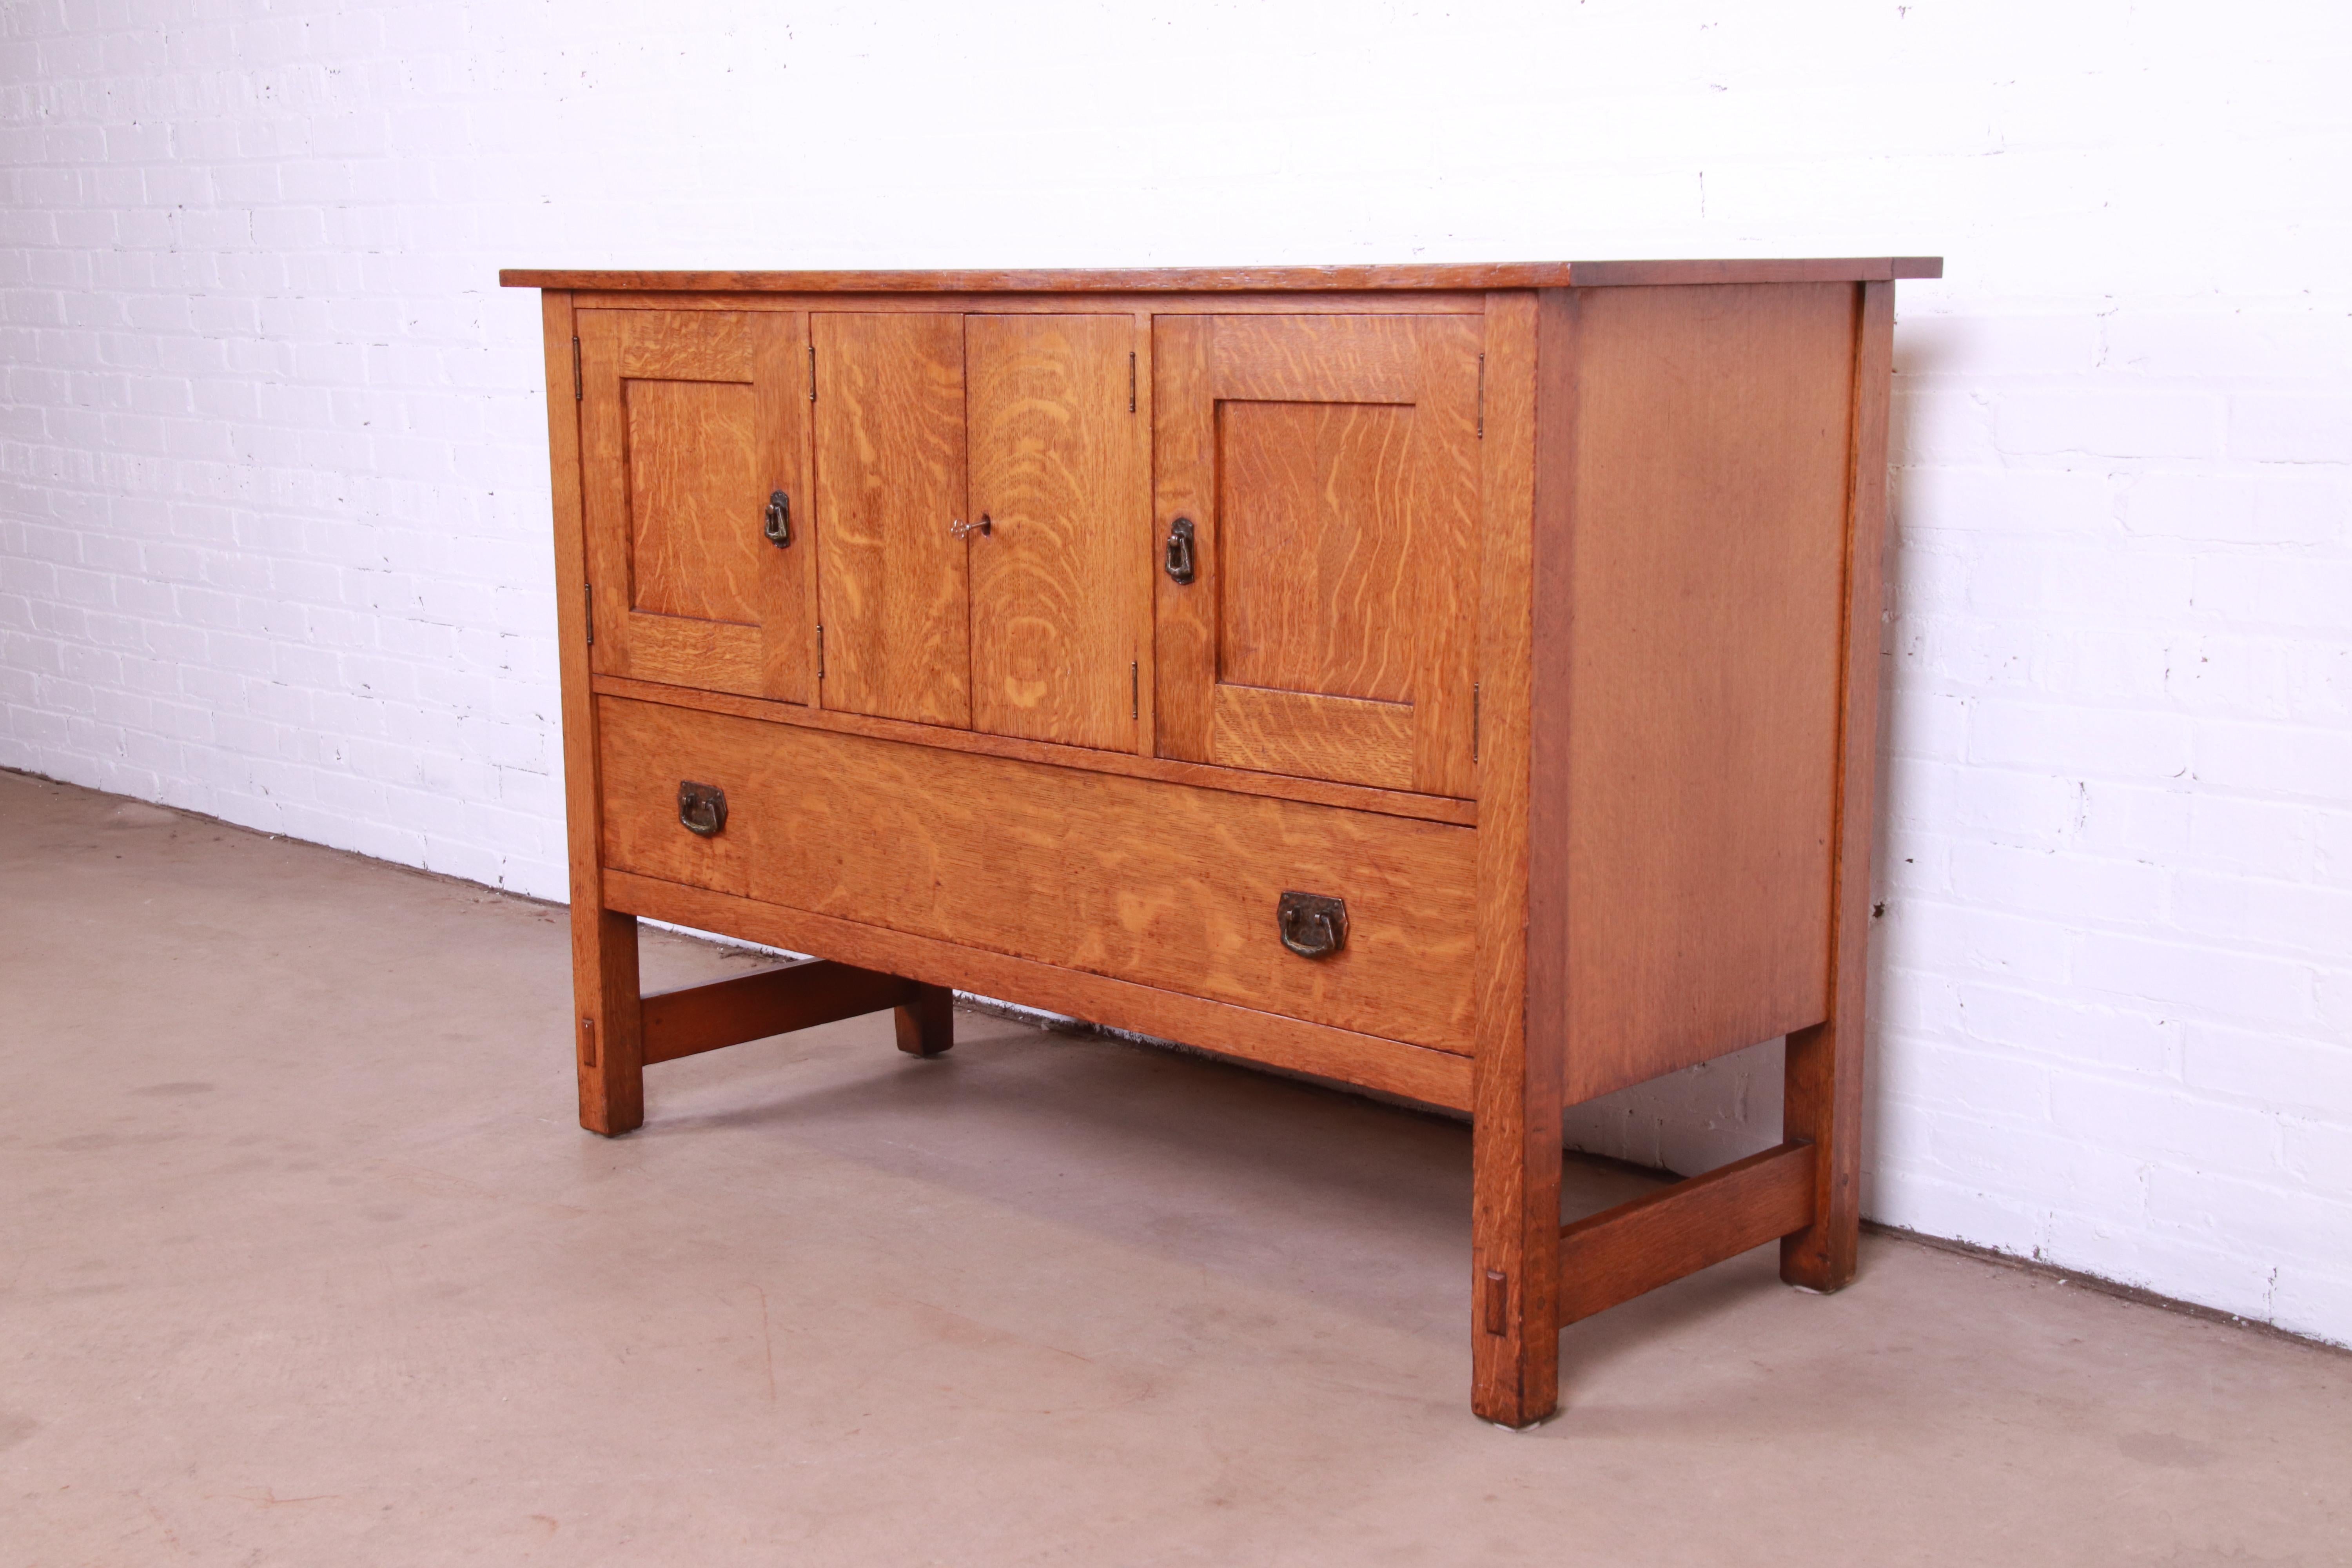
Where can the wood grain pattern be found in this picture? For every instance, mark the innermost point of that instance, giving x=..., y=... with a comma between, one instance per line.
x=1146, y=882
x=1057, y=467
x=893, y=583
x=709, y=1018
x=788, y=644
x=662, y=345
x=1304, y=736
x=1709, y=514
x=1822, y=1097
x=1515, y=1113
x=686, y=431
x=1200, y=776
x=1184, y=484
x=1144, y=564
x=1415, y=1072
x=1309, y=359
x=1552, y=804
x=605, y=1035
x=696, y=462
x=1315, y=519
x=1329, y=465
x=1448, y=477
x=1623, y=1252
x=1080, y=281
x=1149, y=306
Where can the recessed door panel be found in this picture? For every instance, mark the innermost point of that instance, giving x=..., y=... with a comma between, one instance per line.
x=694, y=473
x=1057, y=475
x=1313, y=527
x=688, y=431
x=1327, y=465
x=889, y=456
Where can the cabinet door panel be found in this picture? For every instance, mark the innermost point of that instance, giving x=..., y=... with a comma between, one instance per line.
x=1328, y=466
x=889, y=456
x=687, y=425
x=694, y=462
x=1316, y=542
x=1057, y=469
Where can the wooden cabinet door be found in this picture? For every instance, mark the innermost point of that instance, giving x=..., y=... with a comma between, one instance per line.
x=1328, y=467
x=1058, y=583
x=892, y=579
x=690, y=421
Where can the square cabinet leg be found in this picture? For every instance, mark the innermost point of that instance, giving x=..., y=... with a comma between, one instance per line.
x=927, y=1025
x=1821, y=1102
x=608, y=1022
x=1515, y=1271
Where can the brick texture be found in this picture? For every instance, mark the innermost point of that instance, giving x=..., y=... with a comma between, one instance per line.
x=273, y=507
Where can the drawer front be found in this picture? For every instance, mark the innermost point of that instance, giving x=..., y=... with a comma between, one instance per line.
x=1165, y=885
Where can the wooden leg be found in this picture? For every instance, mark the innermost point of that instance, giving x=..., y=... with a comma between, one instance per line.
x=609, y=1020
x=1822, y=1100
x=1821, y=1103
x=1517, y=1070
x=1515, y=1251
x=927, y=1025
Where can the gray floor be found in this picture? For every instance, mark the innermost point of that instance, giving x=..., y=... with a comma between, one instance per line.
x=304, y=1261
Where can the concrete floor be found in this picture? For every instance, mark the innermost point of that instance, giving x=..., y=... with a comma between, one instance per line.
x=304, y=1261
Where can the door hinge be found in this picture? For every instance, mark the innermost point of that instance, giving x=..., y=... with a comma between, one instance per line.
x=1482, y=397
x=1130, y=381
x=1473, y=722
x=1135, y=689
x=819, y=650
x=576, y=368
x=588, y=593
x=812, y=372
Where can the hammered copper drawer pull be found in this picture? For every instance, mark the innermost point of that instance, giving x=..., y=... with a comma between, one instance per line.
x=1313, y=926
x=701, y=809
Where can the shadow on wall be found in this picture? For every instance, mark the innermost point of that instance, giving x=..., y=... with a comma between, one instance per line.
x=1687, y=1122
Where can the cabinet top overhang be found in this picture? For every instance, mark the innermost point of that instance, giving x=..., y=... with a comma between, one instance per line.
x=1205, y=280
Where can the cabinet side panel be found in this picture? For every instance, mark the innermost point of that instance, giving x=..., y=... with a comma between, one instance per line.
x=1711, y=463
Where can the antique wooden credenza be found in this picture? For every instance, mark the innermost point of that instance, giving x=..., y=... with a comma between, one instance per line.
x=1457, y=681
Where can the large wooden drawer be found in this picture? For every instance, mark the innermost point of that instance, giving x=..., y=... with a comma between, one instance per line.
x=1165, y=885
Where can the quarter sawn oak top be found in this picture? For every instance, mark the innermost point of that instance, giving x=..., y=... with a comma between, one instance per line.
x=1188, y=280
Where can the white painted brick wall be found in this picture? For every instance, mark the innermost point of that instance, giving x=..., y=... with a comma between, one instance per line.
x=273, y=507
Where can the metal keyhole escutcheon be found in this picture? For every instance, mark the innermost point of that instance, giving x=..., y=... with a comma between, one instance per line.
x=1312, y=925
x=778, y=525
x=701, y=809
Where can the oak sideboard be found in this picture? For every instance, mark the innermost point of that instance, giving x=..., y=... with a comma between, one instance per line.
x=1456, y=680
